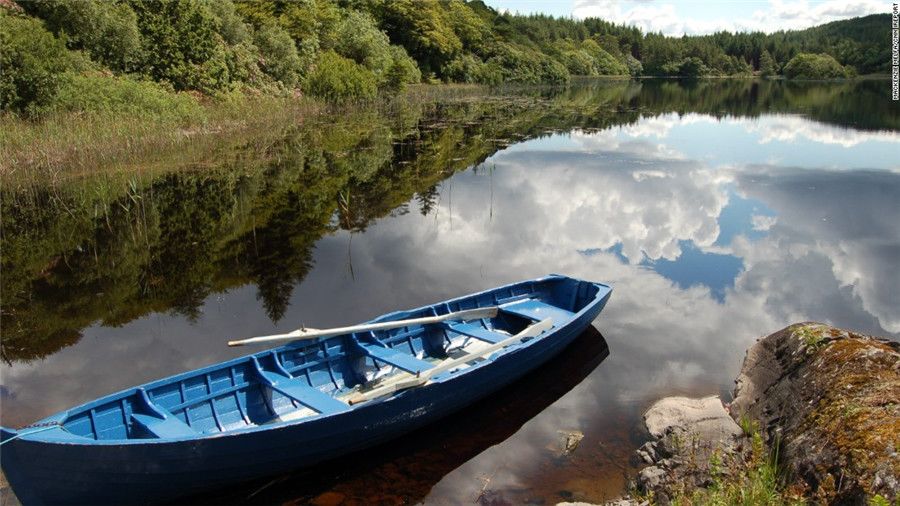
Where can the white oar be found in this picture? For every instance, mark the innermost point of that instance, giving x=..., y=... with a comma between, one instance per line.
x=468, y=314
x=408, y=380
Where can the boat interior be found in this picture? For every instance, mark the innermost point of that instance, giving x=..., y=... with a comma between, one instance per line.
x=312, y=378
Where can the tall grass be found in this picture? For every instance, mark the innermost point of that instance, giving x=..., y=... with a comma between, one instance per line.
x=108, y=131
x=109, y=124
x=754, y=481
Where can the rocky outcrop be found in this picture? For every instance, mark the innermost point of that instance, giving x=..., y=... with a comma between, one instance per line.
x=829, y=400
x=689, y=435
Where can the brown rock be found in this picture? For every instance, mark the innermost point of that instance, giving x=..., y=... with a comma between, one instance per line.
x=830, y=399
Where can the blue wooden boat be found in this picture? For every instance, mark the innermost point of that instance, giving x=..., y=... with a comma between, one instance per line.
x=298, y=404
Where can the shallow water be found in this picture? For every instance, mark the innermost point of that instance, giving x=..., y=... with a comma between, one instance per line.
x=720, y=211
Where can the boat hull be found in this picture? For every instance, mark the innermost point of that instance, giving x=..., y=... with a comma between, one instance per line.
x=70, y=473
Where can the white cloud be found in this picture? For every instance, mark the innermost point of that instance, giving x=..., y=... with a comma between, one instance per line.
x=790, y=128
x=762, y=222
x=778, y=15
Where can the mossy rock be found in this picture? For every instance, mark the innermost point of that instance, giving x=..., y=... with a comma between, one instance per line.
x=830, y=399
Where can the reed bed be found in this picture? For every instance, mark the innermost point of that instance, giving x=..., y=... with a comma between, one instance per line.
x=66, y=144
x=62, y=145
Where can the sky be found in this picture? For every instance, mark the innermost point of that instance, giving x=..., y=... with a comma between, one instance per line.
x=678, y=17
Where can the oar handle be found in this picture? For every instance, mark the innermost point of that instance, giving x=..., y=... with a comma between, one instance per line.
x=467, y=314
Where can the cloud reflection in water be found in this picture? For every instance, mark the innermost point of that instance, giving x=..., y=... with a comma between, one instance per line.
x=802, y=234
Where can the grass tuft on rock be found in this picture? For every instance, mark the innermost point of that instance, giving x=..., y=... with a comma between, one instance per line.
x=751, y=479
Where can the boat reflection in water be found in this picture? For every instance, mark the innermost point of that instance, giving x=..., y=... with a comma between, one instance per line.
x=406, y=469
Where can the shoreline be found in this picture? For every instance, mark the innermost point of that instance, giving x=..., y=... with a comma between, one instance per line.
x=812, y=419
x=69, y=144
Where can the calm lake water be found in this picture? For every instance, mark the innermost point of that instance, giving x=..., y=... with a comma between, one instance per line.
x=720, y=211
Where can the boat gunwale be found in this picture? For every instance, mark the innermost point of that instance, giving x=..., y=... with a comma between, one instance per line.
x=40, y=437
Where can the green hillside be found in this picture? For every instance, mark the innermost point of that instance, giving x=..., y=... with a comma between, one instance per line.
x=67, y=55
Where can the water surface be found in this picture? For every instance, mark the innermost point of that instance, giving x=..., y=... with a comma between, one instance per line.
x=720, y=211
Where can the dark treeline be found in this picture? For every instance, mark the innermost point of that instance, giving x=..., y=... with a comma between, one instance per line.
x=86, y=54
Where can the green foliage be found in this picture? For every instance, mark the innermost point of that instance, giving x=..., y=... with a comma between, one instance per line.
x=519, y=65
x=121, y=95
x=360, y=39
x=229, y=23
x=753, y=481
x=469, y=68
x=423, y=29
x=32, y=60
x=220, y=46
x=402, y=71
x=857, y=42
x=879, y=500
x=243, y=61
x=180, y=44
x=338, y=78
x=766, y=64
x=105, y=30
x=604, y=63
x=814, y=66
x=473, y=30
x=692, y=67
x=635, y=68
x=579, y=63
x=689, y=68
x=279, y=58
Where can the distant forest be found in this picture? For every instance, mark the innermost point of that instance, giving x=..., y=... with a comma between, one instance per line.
x=68, y=54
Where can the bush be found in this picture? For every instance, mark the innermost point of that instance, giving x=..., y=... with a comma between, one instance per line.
x=109, y=94
x=31, y=59
x=766, y=64
x=692, y=67
x=735, y=66
x=604, y=63
x=635, y=68
x=422, y=27
x=229, y=23
x=579, y=63
x=336, y=78
x=527, y=66
x=814, y=66
x=360, y=39
x=243, y=65
x=107, y=31
x=464, y=68
x=403, y=71
x=279, y=58
x=488, y=73
x=180, y=44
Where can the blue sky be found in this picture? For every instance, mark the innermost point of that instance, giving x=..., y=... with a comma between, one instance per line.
x=677, y=17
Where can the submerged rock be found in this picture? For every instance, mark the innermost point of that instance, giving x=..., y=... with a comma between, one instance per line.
x=829, y=399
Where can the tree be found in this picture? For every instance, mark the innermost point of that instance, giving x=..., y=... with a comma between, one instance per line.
x=766, y=64
x=692, y=67
x=338, y=78
x=360, y=39
x=279, y=57
x=180, y=44
x=402, y=71
x=814, y=66
x=107, y=31
x=32, y=60
x=421, y=27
